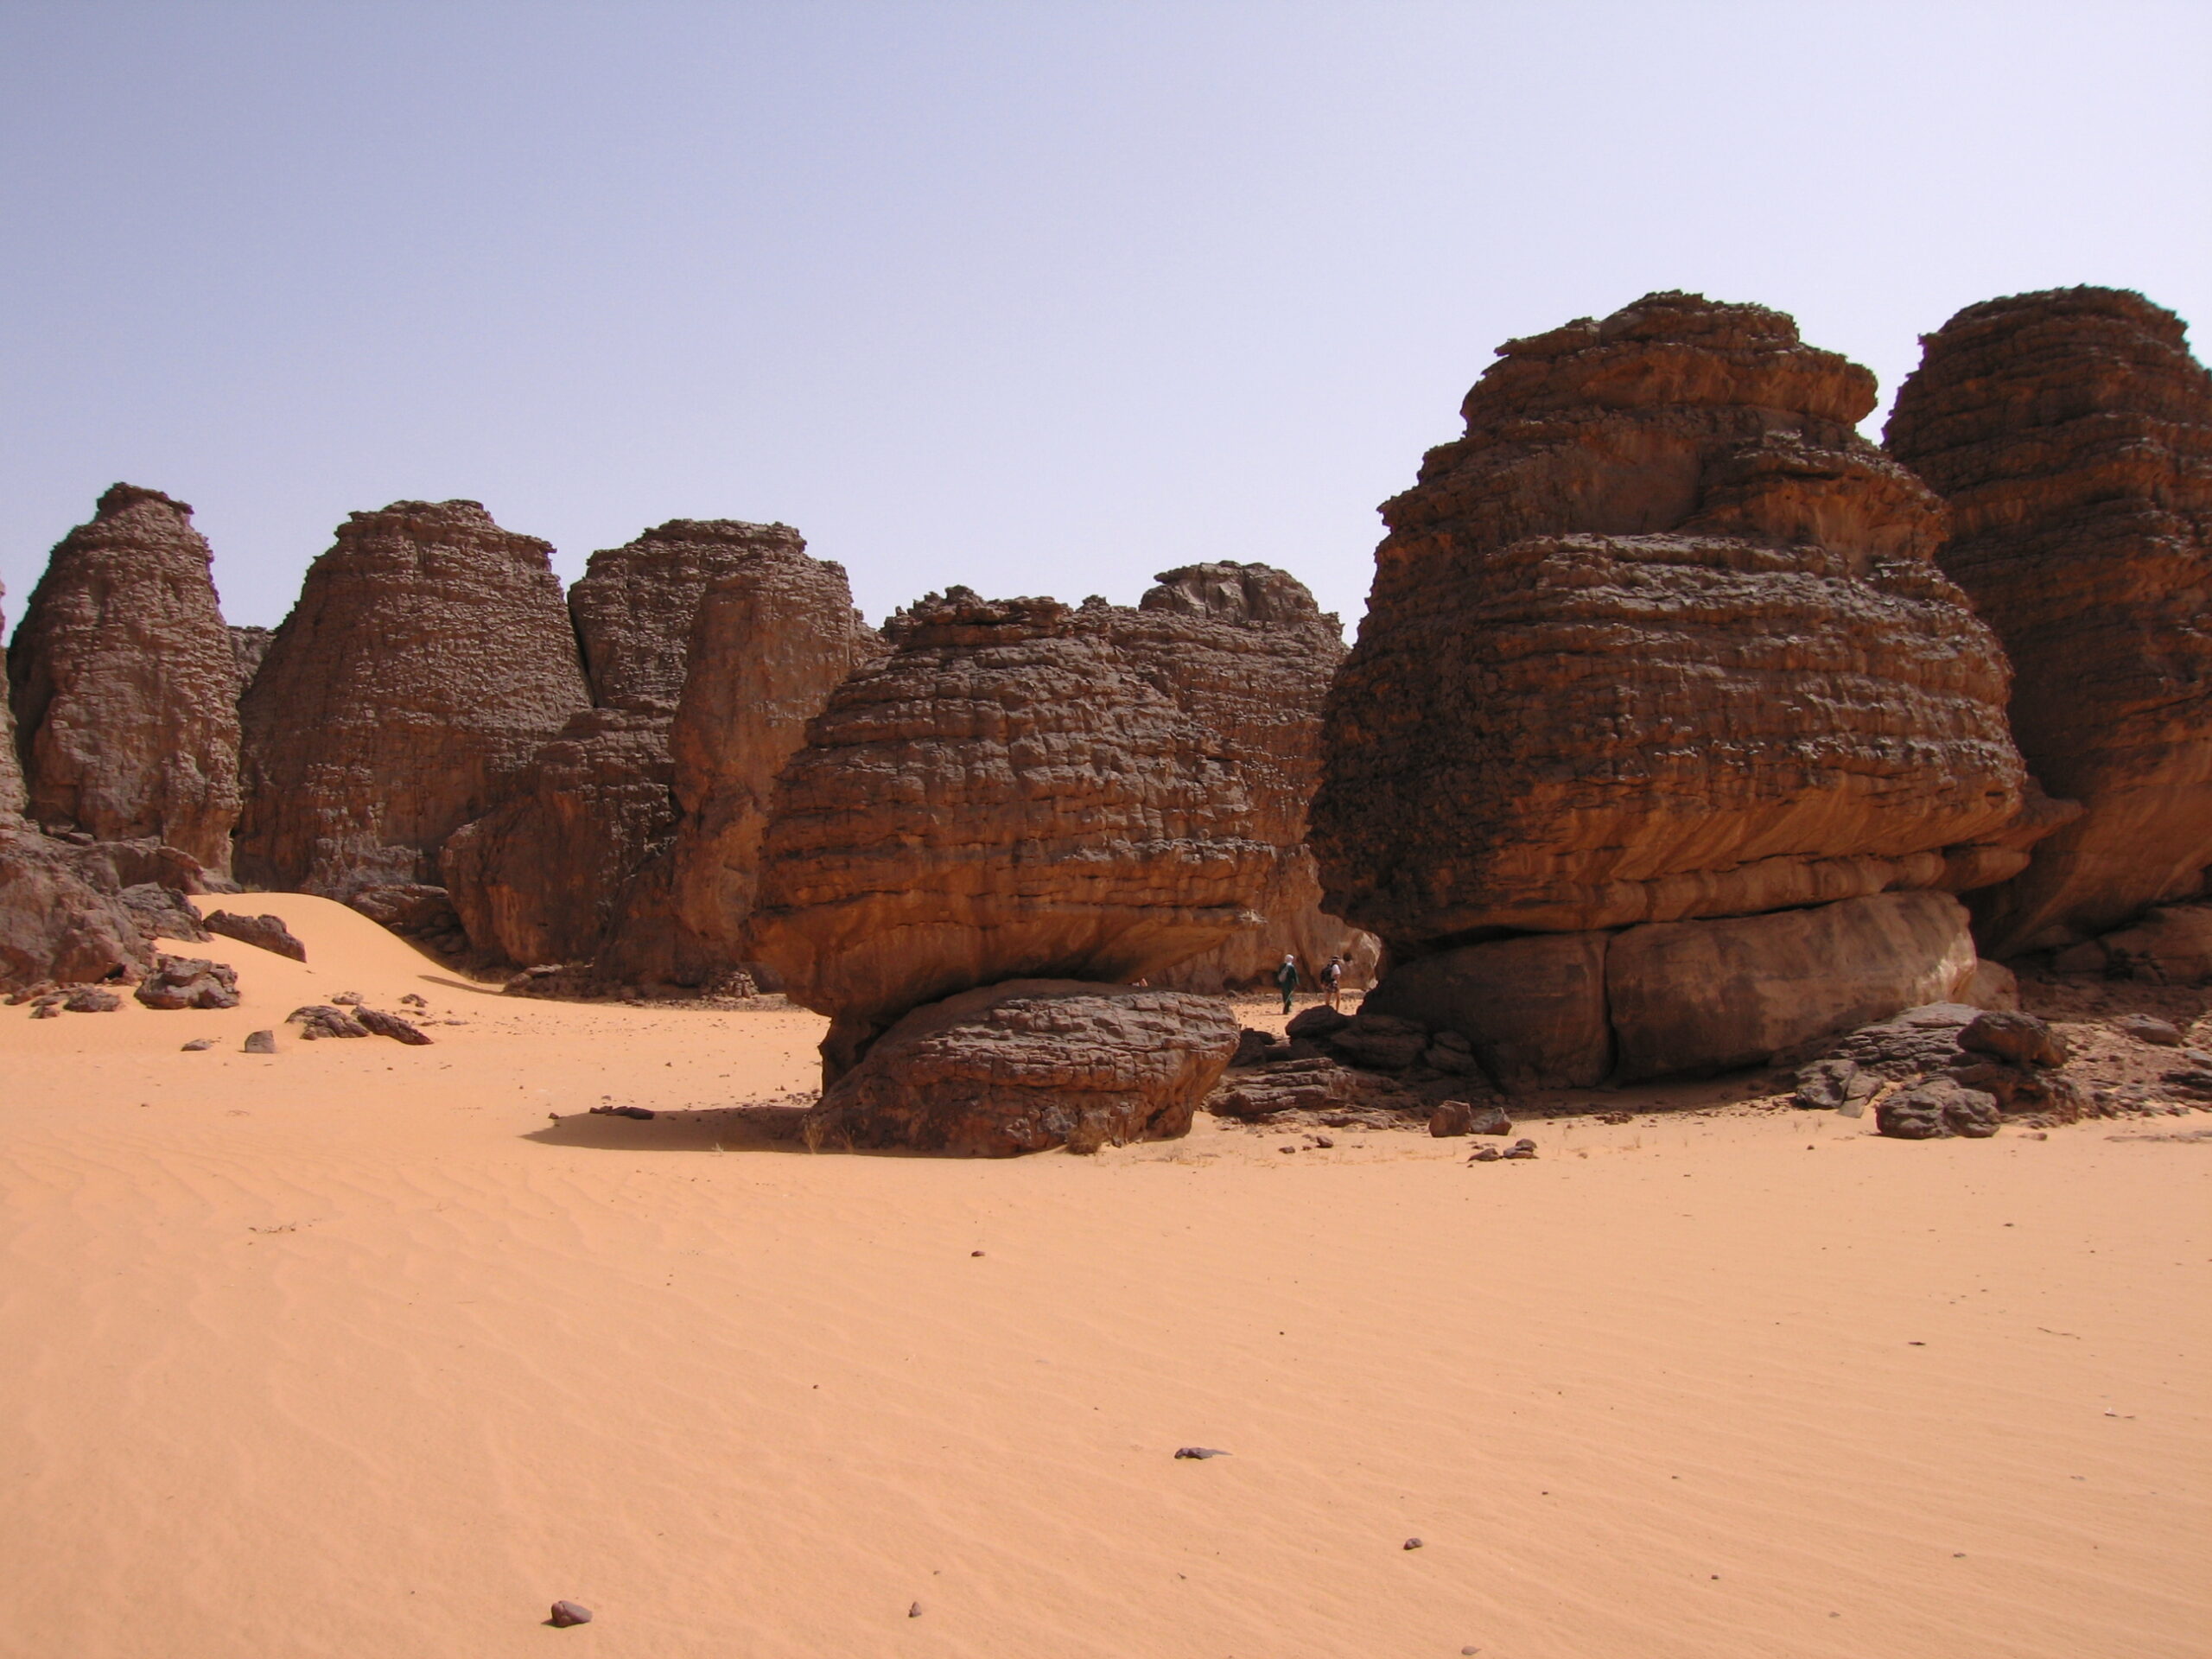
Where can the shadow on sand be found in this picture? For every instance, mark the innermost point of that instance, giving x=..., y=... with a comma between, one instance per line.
x=727, y=1128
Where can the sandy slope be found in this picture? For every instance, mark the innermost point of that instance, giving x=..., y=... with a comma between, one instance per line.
x=350, y=1351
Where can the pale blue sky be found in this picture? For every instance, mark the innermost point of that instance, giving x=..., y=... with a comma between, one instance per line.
x=1041, y=298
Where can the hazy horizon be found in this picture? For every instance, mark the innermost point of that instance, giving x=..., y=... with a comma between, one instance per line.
x=1035, y=300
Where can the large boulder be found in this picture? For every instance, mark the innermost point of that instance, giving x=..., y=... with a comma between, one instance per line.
x=2071, y=433
x=774, y=635
x=1243, y=650
x=1004, y=798
x=1661, y=638
x=125, y=685
x=1689, y=997
x=1532, y=1008
x=56, y=925
x=1030, y=1064
x=428, y=658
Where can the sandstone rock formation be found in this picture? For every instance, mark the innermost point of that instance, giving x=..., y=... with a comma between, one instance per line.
x=1033, y=1063
x=1659, y=641
x=266, y=932
x=428, y=660
x=536, y=879
x=635, y=605
x=12, y=798
x=775, y=634
x=57, y=921
x=1004, y=798
x=1244, y=652
x=1661, y=638
x=2071, y=433
x=248, y=645
x=124, y=683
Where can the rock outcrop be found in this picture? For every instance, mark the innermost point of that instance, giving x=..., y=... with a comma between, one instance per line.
x=124, y=683
x=1004, y=798
x=2071, y=433
x=75, y=913
x=248, y=645
x=429, y=657
x=775, y=634
x=12, y=798
x=1944, y=1069
x=1244, y=652
x=635, y=605
x=537, y=879
x=1661, y=638
x=1661, y=642
x=1030, y=1064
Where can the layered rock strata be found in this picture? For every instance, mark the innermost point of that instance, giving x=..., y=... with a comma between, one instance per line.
x=2071, y=433
x=1005, y=797
x=1661, y=641
x=428, y=658
x=1245, y=652
x=1661, y=638
x=1031, y=1065
x=124, y=686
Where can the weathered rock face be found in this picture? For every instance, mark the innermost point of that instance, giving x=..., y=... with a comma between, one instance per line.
x=1004, y=798
x=248, y=645
x=535, y=880
x=2071, y=433
x=1034, y=1063
x=12, y=798
x=124, y=683
x=635, y=605
x=428, y=660
x=76, y=913
x=1659, y=637
x=775, y=634
x=1244, y=652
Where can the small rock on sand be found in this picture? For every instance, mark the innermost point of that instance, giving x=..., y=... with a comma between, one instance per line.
x=198, y=1044
x=90, y=999
x=1200, y=1451
x=1412, y=1543
x=915, y=1611
x=260, y=1042
x=2149, y=1028
x=566, y=1613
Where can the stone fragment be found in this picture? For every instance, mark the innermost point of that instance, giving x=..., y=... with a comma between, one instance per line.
x=190, y=982
x=2149, y=1028
x=1032, y=1064
x=260, y=1042
x=1312, y=1085
x=1383, y=1042
x=90, y=999
x=1199, y=1452
x=1836, y=1085
x=2170, y=945
x=2020, y=1038
x=2070, y=431
x=1489, y=1120
x=1003, y=798
x=62, y=916
x=47, y=1010
x=428, y=658
x=566, y=1613
x=349, y=998
x=268, y=932
x=1318, y=1021
x=1710, y=996
x=161, y=913
x=1532, y=1008
x=318, y=1019
x=124, y=683
x=1522, y=1149
x=380, y=1024
x=1937, y=1108
x=1254, y=1046
x=1660, y=639
x=1451, y=1117
x=199, y=1045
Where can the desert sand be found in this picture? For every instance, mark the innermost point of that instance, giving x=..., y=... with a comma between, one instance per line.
x=363, y=1349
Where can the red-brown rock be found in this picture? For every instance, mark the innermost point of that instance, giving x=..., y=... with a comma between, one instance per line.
x=1661, y=638
x=1245, y=652
x=125, y=685
x=1004, y=798
x=61, y=916
x=1030, y=1064
x=428, y=660
x=12, y=798
x=248, y=645
x=2071, y=433
x=266, y=932
x=774, y=635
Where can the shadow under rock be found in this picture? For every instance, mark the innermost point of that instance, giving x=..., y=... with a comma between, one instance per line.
x=726, y=1128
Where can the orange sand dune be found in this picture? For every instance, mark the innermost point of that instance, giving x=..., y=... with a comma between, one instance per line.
x=353, y=1350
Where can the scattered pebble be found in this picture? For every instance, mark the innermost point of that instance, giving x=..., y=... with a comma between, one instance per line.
x=1412, y=1543
x=260, y=1042
x=1200, y=1451
x=975, y=1252
x=566, y=1613
x=199, y=1043
x=914, y=1612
